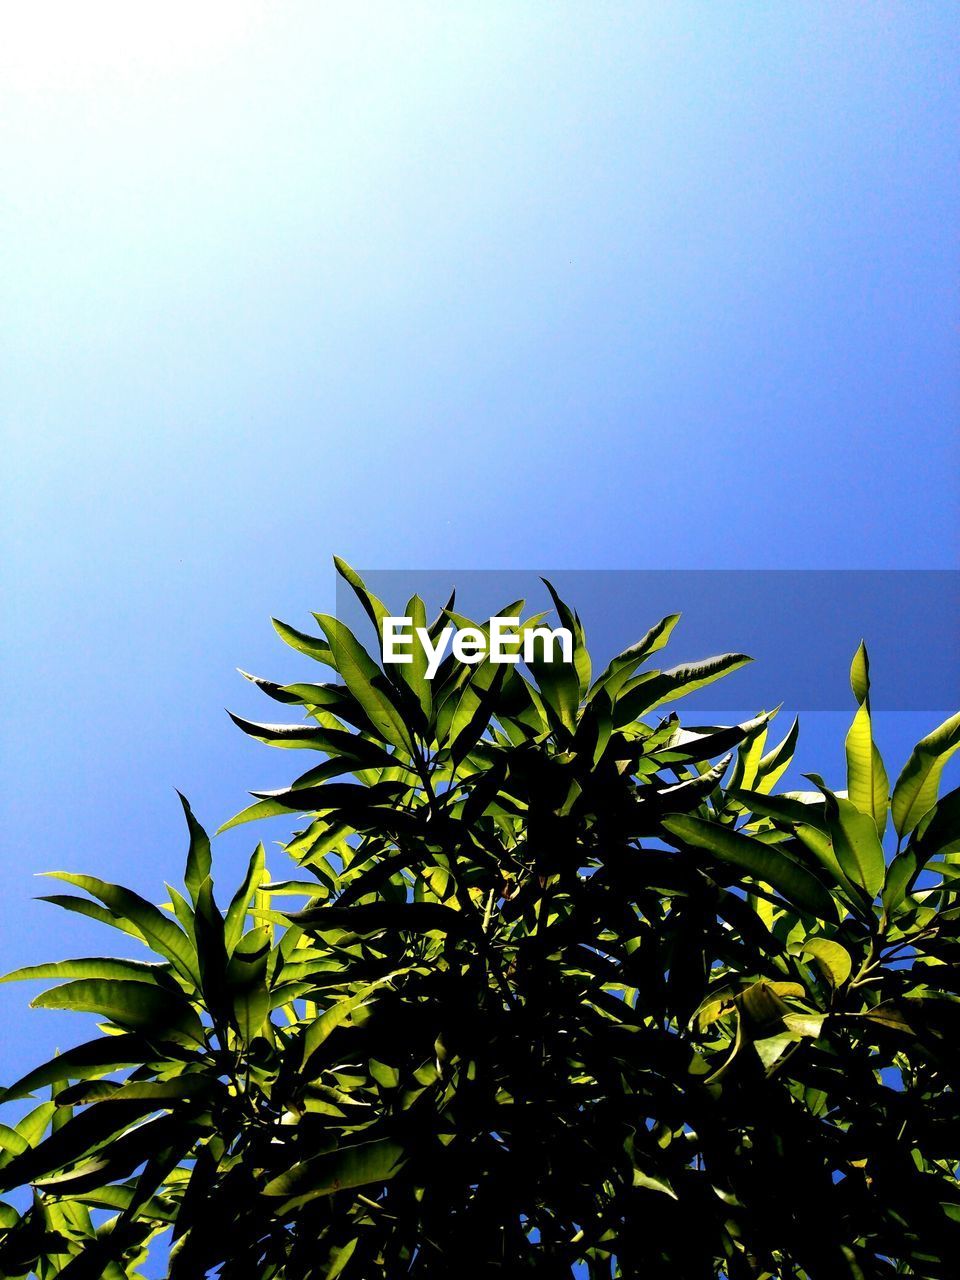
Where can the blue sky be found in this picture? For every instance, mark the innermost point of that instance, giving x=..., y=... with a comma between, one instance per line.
x=488, y=285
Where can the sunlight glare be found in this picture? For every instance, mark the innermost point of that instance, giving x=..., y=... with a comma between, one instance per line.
x=64, y=45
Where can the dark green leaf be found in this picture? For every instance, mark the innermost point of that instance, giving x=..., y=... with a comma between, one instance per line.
x=367, y=1164
x=765, y=862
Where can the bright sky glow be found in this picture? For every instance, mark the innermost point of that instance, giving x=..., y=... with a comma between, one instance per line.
x=53, y=46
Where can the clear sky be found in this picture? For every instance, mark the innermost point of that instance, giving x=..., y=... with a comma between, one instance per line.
x=480, y=285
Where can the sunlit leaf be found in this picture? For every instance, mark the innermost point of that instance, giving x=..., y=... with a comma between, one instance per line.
x=916, y=790
x=364, y=1165
x=130, y=1004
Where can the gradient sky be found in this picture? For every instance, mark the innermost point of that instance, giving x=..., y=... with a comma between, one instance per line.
x=479, y=285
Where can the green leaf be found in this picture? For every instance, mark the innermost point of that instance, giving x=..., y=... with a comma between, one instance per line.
x=359, y=752
x=254, y=812
x=272, y=808
x=818, y=842
x=750, y=753
x=93, y=911
x=120, y=1197
x=775, y=763
x=240, y=905
x=11, y=1142
x=860, y=675
x=86, y=1134
x=191, y=1084
x=367, y=683
x=352, y=799
x=312, y=646
x=414, y=673
x=888, y=1014
x=939, y=831
x=247, y=982
x=901, y=873
x=89, y=967
x=762, y=1003
x=184, y=912
x=96, y=1137
x=157, y=930
x=374, y=608
x=338, y=1258
x=86, y=1061
x=653, y=1182
x=558, y=683
x=867, y=785
x=415, y=917
x=856, y=843
x=783, y=808
x=581, y=655
x=137, y=1006
x=766, y=862
x=770, y=1049
x=833, y=959
x=475, y=706
x=683, y=796
x=645, y=693
x=321, y=1028
x=211, y=949
x=199, y=860
x=331, y=698
x=323, y=1175
x=296, y=888
x=620, y=668
x=34, y=1124
x=386, y=1076
x=695, y=745
x=805, y=1024
x=916, y=789
x=276, y=691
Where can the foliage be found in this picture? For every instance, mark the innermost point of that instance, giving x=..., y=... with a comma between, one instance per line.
x=569, y=986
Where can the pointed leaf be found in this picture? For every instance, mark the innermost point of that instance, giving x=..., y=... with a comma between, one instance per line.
x=312, y=646
x=324, y=1026
x=323, y=1175
x=860, y=675
x=867, y=786
x=137, y=1006
x=856, y=843
x=156, y=929
x=89, y=967
x=240, y=905
x=916, y=790
x=775, y=763
x=570, y=620
x=620, y=668
x=367, y=683
x=198, y=859
x=374, y=608
x=86, y=1061
x=766, y=862
x=645, y=693
x=247, y=982
x=414, y=673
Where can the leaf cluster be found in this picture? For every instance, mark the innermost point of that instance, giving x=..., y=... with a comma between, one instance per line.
x=556, y=986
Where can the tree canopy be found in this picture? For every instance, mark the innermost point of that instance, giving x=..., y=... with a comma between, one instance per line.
x=554, y=986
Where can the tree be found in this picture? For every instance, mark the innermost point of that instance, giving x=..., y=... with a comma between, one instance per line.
x=559, y=987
